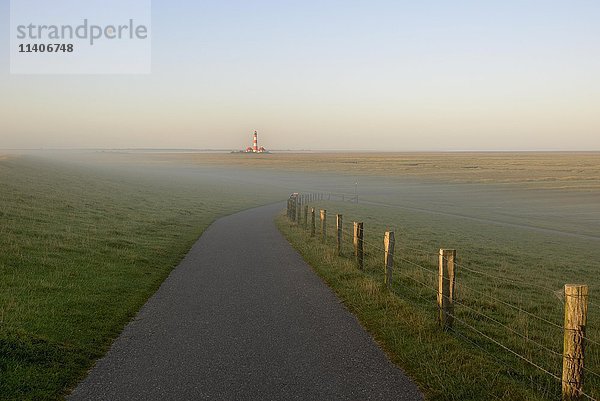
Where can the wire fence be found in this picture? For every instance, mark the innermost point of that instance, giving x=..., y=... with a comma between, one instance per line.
x=484, y=319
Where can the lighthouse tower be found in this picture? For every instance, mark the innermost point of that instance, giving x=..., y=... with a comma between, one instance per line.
x=255, y=142
x=255, y=148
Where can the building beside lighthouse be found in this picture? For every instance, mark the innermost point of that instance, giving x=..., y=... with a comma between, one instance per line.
x=254, y=148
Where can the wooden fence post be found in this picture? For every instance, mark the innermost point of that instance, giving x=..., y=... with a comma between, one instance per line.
x=576, y=306
x=296, y=204
x=288, y=208
x=339, y=234
x=389, y=243
x=324, y=225
x=358, y=244
x=299, y=216
x=312, y=222
x=355, y=239
x=445, y=296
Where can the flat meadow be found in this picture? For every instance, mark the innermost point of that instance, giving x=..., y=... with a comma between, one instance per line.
x=83, y=247
x=86, y=238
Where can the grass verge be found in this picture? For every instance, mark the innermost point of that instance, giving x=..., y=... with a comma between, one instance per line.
x=455, y=365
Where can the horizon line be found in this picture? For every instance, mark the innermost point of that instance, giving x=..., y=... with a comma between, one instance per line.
x=304, y=150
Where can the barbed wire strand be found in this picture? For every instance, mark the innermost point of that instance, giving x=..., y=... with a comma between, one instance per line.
x=419, y=282
x=462, y=286
x=476, y=291
x=350, y=241
x=553, y=352
x=494, y=357
x=510, y=305
x=380, y=248
x=591, y=341
x=593, y=373
x=470, y=269
x=505, y=347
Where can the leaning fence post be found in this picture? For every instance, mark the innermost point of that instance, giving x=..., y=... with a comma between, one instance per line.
x=324, y=225
x=445, y=296
x=576, y=306
x=389, y=243
x=339, y=234
x=358, y=244
x=355, y=239
x=312, y=222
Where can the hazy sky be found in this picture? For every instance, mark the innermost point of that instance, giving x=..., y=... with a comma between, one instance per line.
x=377, y=75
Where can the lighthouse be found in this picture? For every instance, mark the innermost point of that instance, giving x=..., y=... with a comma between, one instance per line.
x=255, y=142
x=254, y=148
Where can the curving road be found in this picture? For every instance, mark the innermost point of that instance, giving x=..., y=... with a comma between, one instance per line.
x=243, y=317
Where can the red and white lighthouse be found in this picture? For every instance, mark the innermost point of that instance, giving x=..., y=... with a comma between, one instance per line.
x=255, y=148
x=255, y=142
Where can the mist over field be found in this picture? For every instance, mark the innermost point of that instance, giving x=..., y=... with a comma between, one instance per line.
x=542, y=192
x=555, y=191
x=80, y=227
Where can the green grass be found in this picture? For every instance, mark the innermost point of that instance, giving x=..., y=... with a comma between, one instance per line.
x=497, y=265
x=82, y=249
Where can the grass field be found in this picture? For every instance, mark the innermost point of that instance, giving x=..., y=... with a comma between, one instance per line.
x=559, y=170
x=523, y=224
x=499, y=266
x=82, y=249
x=86, y=240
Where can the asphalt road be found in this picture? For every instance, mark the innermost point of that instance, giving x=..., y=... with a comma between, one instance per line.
x=243, y=317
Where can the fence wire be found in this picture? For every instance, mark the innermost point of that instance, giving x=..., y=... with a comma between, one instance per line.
x=370, y=249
